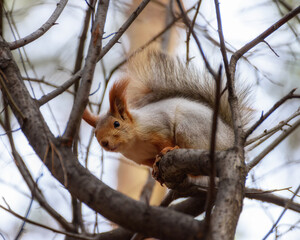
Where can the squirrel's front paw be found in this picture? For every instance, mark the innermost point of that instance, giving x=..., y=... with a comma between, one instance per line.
x=155, y=169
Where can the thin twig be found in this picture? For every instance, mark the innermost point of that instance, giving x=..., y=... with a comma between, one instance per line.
x=81, y=44
x=212, y=149
x=78, y=236
x=222, y=40
x=147, y=189
x=236, y=56
x=59, y=90
x=123, y=28
x=267, y=197
x=290, y=95
x=94, y=51
x=283, y=212
x=43, y=29
x=187, y=23
x=272, y=130
x=278, y=140
x=27, y=211
x=188, y=37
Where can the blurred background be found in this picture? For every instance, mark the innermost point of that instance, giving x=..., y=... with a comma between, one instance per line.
x=49, y=61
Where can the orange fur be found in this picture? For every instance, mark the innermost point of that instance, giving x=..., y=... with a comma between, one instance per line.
x=90, y=118
x=117, y=99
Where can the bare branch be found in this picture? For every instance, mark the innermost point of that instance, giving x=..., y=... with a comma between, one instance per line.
x=211, y=191
x=60, y=89
x=188, y=37
x=147, y=189
x=177, y=164
x=78, y=236
x=122, y=29
x=281, y=215
x=43, y=29
x=222, y=40
x=278, y=140
x=187, y=23
x=267, y=196
x=88, y=70
x=269, y=132
x=236, y=56
x=290, y=95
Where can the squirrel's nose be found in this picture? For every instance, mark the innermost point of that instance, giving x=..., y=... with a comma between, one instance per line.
x=104, y=143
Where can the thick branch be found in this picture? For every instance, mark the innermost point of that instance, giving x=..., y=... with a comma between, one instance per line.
x=43, y=29
x=177, y=164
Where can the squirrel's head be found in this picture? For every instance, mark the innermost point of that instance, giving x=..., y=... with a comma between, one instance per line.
x=114, y=130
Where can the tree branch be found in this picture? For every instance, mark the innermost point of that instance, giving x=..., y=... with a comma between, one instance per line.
x=290, y=95
x=94, y=51
x=278, y=140
x=187, y=23
x=178, y=163
x=123, y=28
x=43, y=29
x=105, y=49
x=59, y=90
x=32, y=185
x=267, y=196
x=236, y=56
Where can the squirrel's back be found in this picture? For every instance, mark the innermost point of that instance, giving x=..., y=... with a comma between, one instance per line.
x=154, y=75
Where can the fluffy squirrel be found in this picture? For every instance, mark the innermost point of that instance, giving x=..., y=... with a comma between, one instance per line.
x=161, y=103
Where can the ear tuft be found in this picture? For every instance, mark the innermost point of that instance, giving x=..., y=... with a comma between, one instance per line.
x=90, y=118
x=117, y=99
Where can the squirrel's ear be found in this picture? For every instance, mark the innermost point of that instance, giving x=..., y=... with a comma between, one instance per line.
x=90, y=118
x=117, y=100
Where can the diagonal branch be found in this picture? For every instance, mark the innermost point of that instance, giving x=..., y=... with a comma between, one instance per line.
x=267, y=133
x=187, y=23
x=283, y=212
x=105, y=49
x=59, y=90
x=123, y=28
x=43, y=29
x=94, y=51
x=278, y=140
x=76, y=236
x=290, y=95
x=236, y=56
x=32, y=185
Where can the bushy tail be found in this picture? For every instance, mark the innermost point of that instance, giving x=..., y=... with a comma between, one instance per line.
x=155, y=75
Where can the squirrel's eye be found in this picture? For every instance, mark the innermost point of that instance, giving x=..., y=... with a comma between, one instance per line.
x=116, y=124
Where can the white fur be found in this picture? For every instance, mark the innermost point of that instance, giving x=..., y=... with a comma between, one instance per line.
x=187, y=122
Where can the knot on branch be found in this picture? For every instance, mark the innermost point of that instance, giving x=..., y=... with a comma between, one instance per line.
x=180, y=168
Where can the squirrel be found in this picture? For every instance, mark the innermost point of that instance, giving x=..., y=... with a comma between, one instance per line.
x=161, y=103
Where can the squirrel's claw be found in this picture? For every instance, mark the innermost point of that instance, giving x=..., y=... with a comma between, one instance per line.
x=155, y=169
